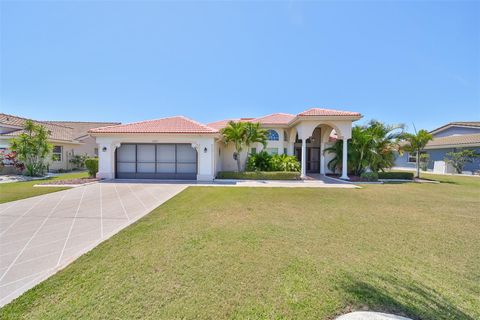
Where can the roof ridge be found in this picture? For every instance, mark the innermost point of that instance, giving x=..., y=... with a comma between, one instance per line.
x=199, y=123
x=37, y=121
x=69, y=121
x=275, y=113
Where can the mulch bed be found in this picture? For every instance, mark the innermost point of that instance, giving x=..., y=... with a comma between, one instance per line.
x=352, y=178
x=70, y=181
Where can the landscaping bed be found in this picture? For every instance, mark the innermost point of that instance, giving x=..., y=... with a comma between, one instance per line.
x=259, y=175
x=75, y=181
x=380, y=177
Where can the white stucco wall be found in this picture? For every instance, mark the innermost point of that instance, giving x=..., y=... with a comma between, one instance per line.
x=203, y=143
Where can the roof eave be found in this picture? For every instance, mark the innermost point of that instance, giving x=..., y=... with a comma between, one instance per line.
x=457, y=145
x=310, y=118
x=116, y=134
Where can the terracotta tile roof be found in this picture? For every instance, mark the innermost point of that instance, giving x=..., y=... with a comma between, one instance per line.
x=272, y=119
x=327, y=112
x=80, y=128
x=57, y=132
x=455, y=140
x=221, y=123
x=275, y=118
x=178, y=124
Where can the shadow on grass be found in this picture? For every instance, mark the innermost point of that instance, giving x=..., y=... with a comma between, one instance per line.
x=401, y=297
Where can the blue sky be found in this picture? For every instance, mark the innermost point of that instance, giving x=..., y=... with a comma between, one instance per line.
x=398, y=62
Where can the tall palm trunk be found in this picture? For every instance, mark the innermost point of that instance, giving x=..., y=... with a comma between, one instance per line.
x=239, y=165
x=418, y=163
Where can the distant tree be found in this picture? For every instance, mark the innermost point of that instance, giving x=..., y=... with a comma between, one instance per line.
x=460, y=158
x=32, y=148
x=416, y=143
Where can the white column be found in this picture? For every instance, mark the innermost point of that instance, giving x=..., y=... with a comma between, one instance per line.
x=304, y=158
x=106, y=160
x=322, y=157
x=345, y=160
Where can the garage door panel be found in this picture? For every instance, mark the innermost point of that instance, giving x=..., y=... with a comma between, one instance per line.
x=156, y=161
x=186, y=167
x=146, y=153
x=185, y=153
x=146, y=167
x=126, y=153
x=126, y=167
x=165, y=167
x=166, y=153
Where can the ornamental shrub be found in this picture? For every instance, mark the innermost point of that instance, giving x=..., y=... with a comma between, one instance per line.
x=263, y=161
x=405, y=175
x=259, y=162
x=259, y=175
x=369, y=176
x=92, y=166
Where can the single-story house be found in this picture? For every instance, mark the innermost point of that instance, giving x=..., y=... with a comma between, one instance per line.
x=67, y=137
x=452, y=137
x=181, y=148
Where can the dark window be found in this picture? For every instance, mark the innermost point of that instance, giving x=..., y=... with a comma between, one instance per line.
x=57, y=153
x=273, y=135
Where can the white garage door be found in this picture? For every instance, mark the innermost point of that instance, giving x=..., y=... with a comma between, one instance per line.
x=156, y=161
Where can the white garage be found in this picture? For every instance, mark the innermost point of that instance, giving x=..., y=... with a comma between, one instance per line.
x=169, y=148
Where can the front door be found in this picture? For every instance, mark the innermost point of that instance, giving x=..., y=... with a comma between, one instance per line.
x=313, y=158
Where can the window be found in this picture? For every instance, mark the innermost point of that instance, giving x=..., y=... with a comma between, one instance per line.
x=285, y=151
x=272, y=150
x=273, y=135
x=253, y=150
x=95, y=151
x=57, y=153
x=412, y=157
x=285, y=137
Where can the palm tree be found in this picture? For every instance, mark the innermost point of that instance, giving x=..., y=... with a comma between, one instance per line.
x=255, y=134
x=372, y=146
x=415, y=144
x=243, y=134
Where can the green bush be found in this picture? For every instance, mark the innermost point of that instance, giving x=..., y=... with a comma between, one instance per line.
x=259, y=175
x=263, y=161
x=405, y=175
x=369, y=176
x=259, y=161
x=92, y=166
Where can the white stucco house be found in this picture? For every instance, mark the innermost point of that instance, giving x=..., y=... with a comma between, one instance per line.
x=181, y=148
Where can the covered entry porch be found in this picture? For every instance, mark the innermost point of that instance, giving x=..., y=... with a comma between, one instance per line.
x=312, y=136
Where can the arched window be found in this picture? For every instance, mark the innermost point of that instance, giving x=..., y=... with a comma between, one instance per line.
x=272, y=135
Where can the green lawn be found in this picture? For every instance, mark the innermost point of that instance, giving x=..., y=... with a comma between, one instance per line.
x=261, y=253
x=21, y=190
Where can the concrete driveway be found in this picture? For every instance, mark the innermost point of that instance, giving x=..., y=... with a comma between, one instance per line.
x=40, y=235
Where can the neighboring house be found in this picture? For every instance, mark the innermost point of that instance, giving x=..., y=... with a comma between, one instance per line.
x=452, y=137
x=68, y=138
x=181, y=148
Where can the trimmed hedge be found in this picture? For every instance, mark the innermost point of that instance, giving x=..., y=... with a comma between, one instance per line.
x=259, y=175
x=370, y=176
x=92, y=166
x=405, y=175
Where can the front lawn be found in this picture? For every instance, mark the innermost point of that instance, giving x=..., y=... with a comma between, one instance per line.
x=281, y=253
x=25, y=189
